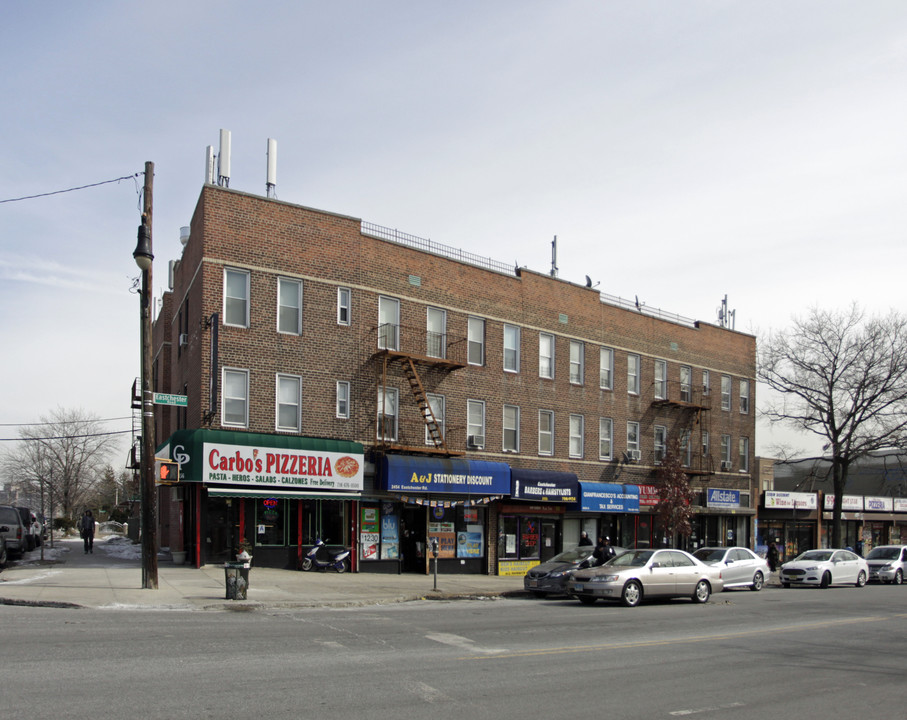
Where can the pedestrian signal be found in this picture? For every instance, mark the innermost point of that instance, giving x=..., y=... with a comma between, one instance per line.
x=166, y=472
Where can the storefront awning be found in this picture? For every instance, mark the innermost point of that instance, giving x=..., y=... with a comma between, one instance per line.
x=544, y=486
x=406, y=473
x=281, y=494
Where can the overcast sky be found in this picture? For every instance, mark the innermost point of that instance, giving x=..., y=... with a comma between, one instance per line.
x=680, y=151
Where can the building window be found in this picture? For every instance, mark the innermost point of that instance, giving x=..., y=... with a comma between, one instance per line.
x=387, y=413
x=475, y=330
x=343, y=399
x=546, y=356
x=475, y=424
x=633, y=440
x=546, y=432
x=705, y=448
x=725, y=392
x=577, y=362
x=685, y=448
x=511, y=427
x=744, y=397
x=633, y=374
x=388, y=323
x=436, y=333
x=606, y=368
x=289, y=306
x=725, y=452
x=577, y=424
x=706, y=387
x=661, y=439
x=511, y=348
x=661, y=380
x=289, y=402
x=236, y=398
x=686, y=384
x=343, y=306
x=744, y=454
x=438, y=407
x=236, y=297
x=605, y=438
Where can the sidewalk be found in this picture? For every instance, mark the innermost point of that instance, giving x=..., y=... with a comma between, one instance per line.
x=106, y=579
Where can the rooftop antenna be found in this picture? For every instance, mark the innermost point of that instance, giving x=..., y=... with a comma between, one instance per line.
x=271, y=183
x=209, y=165
x=726, y=318
x=223, y=159
x=554, y=257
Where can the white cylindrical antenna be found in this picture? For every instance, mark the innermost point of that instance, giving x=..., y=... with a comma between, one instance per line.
x=171, y=270
x=554, y=257
x=209, y=165
x=223, y=159
x=271, y=182
x=184, y=235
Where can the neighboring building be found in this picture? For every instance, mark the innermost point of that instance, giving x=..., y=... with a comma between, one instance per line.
x=349, y=382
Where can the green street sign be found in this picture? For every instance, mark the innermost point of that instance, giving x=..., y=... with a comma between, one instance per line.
x=165, y=399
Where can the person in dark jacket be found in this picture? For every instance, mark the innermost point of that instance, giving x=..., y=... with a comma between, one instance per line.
x=86, y=529
x=584, y=538
x=772, y=557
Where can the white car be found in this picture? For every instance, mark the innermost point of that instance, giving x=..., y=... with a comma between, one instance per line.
x=887, y=563
x=825, y=567
x=740, y=567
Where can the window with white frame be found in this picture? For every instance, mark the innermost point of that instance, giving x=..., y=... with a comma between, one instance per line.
x=436, y=333
x=344, y=299
x=661, y=443
x=706, y=386
x=343, y=399
x=744, y=451
x=685, y=448
x=705, y=446
x=511, y=348
x=725, y=452
x=235, y=409
x=661, y=380
x=546, y=356
x=744, y=397
x=511, y=429
x=289, y=402
x=577, y=362
x=633, y=438
x=438, y=406
x=475, y=341
x=606, y=368
x=577, y=424
x=633, y=374
x=725, y=392
x=236, y=297
x=289, y=306
x=387, y=413
x=475, y=423
x=388, y=323
x=686, y=384
x=605, y=438
x=546, y=432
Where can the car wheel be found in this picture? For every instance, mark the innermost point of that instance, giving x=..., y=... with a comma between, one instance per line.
x=587, y=599
x=702, y=592
x=826, y=580
x=861, y=578
x=3, y=557
x=898, y=577
x=758, y=582
x=785, y=585
x=631, y=594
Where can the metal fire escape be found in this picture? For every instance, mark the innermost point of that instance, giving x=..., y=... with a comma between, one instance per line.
x=692, y=408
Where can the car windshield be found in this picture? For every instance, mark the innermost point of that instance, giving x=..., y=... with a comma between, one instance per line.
x=816, y=555
x=709, y=554
x=632, y=558
x=577, y=554
x=884, y=553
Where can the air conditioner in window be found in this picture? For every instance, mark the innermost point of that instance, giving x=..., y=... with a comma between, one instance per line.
x=725, y=464
x=632, y=455
x=475, y=442
x=184, y=339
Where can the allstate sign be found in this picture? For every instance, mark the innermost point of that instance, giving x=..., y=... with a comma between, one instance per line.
x=718, y=497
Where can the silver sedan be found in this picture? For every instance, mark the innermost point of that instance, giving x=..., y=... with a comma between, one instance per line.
x=740, y=567
x=639, y=574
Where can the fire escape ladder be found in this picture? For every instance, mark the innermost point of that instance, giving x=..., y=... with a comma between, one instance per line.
x=415, y=383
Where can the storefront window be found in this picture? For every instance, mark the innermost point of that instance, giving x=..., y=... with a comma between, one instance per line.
x=520, y=538
x=270, y=525
x=379, y=532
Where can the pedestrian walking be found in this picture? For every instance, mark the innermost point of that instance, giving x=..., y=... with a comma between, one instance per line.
x=86, y=529
x=772, y=556
x=584, y=538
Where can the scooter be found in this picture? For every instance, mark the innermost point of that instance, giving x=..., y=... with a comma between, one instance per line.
x=322, y=558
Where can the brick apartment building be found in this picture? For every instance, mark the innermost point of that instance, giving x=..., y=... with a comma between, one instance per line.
x=348, y=382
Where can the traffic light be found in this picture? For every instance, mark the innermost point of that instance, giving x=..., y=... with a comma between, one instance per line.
x=166, y=472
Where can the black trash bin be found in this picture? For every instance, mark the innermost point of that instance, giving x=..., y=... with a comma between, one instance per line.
x=236, y=580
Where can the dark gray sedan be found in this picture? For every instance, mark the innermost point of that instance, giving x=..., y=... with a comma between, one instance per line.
x=550, y=578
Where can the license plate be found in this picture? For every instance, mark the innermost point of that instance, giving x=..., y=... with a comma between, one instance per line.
x=578, y=587
x=533, y=582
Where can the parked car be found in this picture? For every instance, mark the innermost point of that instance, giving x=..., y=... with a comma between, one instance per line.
x=740, y=567
x=31, y=536
x=643, y=574
x=550, y=578
x=3, y=554
x=16, y=534
x=824, y=568
x=887, y=563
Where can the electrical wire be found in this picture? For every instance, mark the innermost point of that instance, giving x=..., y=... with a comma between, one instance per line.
x=81, y=187
x=65, y=437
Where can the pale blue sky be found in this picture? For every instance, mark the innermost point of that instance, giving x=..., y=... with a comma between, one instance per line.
x=680, y=151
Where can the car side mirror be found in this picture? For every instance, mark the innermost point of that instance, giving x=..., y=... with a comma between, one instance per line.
x=655, y=565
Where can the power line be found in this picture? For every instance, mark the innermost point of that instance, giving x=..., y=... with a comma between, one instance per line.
x=64, y=422
x=65, y=437
x=81, y=187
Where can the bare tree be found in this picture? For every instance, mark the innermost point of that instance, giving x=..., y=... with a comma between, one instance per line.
x=674, y=510
x=843, y=377
x=60, y=460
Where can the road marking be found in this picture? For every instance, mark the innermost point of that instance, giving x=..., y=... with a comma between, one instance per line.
x=427, y=692
x=696, y=711
x=463, y=643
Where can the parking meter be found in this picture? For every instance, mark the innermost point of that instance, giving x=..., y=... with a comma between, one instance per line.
x=434, y=546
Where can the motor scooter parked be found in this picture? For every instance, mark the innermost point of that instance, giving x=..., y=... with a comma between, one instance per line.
x=322, y=558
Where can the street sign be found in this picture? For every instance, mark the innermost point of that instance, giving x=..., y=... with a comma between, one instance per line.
x=166, y=472
x=166, y=399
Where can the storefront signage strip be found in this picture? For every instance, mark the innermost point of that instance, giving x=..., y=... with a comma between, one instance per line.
x=790, y=500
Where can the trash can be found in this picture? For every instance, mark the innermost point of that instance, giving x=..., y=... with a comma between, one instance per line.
x=236, y=579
